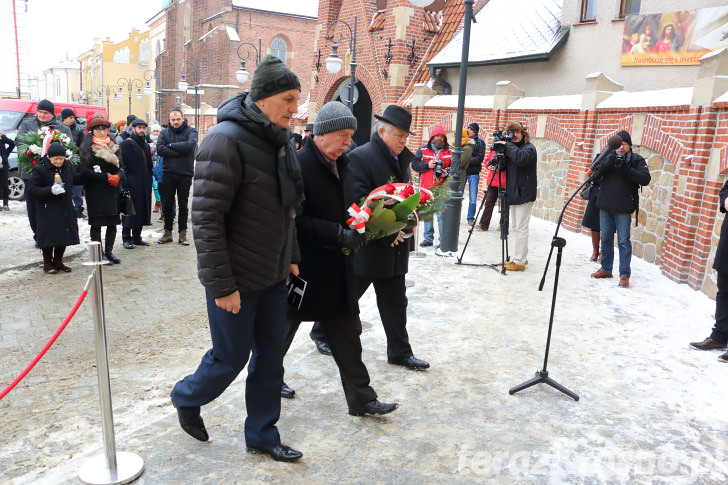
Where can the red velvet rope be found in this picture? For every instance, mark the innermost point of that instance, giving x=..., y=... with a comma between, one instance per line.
x=47, y=346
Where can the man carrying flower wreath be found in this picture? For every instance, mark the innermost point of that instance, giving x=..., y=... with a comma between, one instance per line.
x=331, y=291
x=384, y=262
x=44, y=117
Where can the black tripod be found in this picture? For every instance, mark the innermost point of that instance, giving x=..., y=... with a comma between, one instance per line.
x=504, y=209
x=542, y=376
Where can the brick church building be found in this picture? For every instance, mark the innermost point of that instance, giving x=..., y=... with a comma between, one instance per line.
x=213, y=35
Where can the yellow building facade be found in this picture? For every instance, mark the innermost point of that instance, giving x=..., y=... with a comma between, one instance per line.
x=115, y=76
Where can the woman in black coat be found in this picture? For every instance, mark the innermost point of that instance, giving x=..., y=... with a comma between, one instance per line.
x=100, y=162
x=55, y=223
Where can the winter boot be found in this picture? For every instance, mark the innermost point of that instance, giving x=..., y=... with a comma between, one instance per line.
x=596, y=238
x=166, y=237
x=183, y=237
x=110, y=245
x=58, y=259
x=48, y=267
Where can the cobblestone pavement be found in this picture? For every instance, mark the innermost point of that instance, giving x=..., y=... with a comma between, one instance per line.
x=650, y=409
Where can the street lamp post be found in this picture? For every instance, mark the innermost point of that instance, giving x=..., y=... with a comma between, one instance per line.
x=334, y=62
x=129, y=83
x=148, y=76
x=241, y=74
x=451, y=218
x=100, y=97
x=182, y=85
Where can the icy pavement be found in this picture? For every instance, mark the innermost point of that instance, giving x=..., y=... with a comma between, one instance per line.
x=649, y=411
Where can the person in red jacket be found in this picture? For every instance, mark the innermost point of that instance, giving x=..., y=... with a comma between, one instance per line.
x=491, y=196
x=435, y=156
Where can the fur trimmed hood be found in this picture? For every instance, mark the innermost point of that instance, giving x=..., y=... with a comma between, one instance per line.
x=108, y=154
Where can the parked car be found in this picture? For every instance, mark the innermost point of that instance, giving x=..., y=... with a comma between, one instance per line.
x=12, y=114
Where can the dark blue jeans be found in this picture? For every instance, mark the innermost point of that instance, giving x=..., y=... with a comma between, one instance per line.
x=258, y=327
x=611, y=222
x=78, y=198
x=472, y=181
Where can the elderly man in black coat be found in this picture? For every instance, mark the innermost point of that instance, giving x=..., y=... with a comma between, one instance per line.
x=384, y=262
x=323, y=236
x=137, y=164
x=718, y=338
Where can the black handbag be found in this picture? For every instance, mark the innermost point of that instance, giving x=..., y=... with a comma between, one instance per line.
x=586, y=191
x=126, y=205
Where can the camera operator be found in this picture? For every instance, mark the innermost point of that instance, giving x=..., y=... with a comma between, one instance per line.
x=621, y=175
x=433, y=160
x=521, y=189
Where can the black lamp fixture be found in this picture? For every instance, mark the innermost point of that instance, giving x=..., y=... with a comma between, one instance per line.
x=241, y=74
x=334, y=62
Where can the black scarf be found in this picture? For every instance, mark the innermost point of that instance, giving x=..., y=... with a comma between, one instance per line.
x=290, y=179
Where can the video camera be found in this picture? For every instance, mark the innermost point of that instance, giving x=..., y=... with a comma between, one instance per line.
x=498, y=162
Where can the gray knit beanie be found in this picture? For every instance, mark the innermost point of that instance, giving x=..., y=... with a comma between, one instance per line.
x=333, y=116
x=272, y=77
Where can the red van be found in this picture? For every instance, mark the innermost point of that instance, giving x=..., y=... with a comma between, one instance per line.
x=12, y=114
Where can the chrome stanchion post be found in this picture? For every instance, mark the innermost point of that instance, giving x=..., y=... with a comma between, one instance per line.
x=111, y=467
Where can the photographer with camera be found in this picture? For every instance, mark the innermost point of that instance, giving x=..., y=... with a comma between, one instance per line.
x=520, y=168
x=621, y=174
x=433, y=160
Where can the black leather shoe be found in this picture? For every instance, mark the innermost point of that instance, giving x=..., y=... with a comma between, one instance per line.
x=110, y=256
x=278, y=452
x=286, y=391
x=411, y=363
x=374, y=407
x=191, y=422
x=128, y=245
x=139, y=242
x=323, y=347
x=708, y=344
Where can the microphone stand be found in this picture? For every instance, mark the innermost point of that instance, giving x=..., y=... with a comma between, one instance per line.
x=542, y=376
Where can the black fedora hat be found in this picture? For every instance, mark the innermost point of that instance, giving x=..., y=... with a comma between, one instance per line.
x=397, y=116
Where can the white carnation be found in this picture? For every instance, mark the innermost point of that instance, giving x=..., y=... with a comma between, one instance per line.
x=69, y=153
x=35, y=149
x=65, y=139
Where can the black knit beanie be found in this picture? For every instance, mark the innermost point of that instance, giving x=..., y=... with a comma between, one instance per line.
x=55, y=149
x=47, y=105
x=66, y=113
x=130, y=119
x=272, y=77
x=474, y=126
x=625, y=137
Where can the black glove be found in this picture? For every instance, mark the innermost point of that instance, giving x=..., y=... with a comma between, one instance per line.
x=350, y=239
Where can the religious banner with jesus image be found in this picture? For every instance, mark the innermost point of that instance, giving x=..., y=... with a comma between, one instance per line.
x=673, y=38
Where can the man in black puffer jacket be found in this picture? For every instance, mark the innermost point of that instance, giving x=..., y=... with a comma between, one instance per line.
x=176, y=144
x=624, y=172
x=248, y=190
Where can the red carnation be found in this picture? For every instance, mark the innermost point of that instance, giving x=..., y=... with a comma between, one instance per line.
x=423, y=198
x=407, y=191
x=389, y=188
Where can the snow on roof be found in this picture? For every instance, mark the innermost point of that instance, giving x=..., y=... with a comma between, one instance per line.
x=451, y=101
x=644, y=99
x=503, y=34
x=308, y=8
x=572, y=101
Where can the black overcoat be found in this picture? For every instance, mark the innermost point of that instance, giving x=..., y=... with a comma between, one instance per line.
x=55, y=223
x=372, y=165
x=331, y=284
x=137, y=165
x=102, y=199
x=721, y=253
